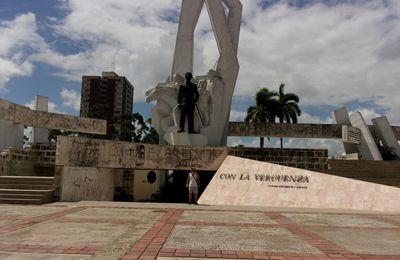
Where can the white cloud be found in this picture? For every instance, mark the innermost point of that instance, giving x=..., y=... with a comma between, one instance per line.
x=17, y=36
x=71, y=98
x=237, y=116
x=328, y=55
x=368, y=114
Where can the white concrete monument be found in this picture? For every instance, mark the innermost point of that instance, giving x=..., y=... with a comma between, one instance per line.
x=341, y=116
x=245, y=182
x=367, y=148
x=41, y=135
x=385, y=133
x=212, y=121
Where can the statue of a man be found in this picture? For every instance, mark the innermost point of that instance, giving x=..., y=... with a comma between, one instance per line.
x=188, y=96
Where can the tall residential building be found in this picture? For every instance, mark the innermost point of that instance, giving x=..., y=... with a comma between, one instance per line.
x=106, y=97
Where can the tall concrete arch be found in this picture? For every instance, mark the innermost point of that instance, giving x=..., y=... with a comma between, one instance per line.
x=221, y=79
x=226, y=29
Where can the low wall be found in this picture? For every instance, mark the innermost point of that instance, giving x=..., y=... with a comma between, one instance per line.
x=38, y=160
x=312, y=159
x=381, y=172
x=25, y=116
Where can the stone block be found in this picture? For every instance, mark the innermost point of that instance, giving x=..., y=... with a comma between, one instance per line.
x=244, y=182
x=367, y=148
x=85, y=152
x=40, y=135
x=341, y=116
x=80, y=183
x=11, y=135
x=25, y=116
x=385, y=133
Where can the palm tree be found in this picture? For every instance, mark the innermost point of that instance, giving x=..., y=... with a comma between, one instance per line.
x=287, y=108
x=262, y=112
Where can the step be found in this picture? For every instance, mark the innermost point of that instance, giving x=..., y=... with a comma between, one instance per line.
x=30, y=178
x=21, y=196
x=19, y=191
x=20, y=201
x=25, y=186
x=44, y=196
x=26, y=182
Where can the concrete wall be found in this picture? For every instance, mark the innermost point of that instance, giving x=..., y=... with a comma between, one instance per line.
x=87, y=183
x=11, y=135
x=38, y=160
x=298, y=158
x=143, y=189
x=25, y=116
x=84, y=152
x=286, y=130
x=381, y=172
x=41, y=135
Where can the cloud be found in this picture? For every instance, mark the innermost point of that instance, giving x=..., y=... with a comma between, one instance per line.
x=71, y=98
x=237, y=116
x=368, y=114
x=18, y=38
x=329, y=54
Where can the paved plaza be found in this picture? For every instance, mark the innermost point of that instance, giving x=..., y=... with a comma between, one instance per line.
x=116, y=230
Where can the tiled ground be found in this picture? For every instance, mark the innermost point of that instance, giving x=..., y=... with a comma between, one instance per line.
x=73, y=231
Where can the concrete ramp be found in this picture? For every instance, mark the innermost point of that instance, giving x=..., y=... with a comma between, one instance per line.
x=246, y=182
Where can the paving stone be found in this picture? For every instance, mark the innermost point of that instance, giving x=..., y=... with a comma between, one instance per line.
x=237, y=238
x=66, y=234
x=6, y=222
x=228, y=217
x=123, y=214
x=32, y=256
x=335, y=220
x=32, y=211
x=378, y=242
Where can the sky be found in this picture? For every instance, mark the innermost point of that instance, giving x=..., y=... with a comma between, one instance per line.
x=331, y=53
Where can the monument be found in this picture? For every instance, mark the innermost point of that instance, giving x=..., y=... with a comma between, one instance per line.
x=244, y=182
x=216, y=87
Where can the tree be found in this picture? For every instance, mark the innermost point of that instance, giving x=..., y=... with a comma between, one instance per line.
x=388, y=153
x=287, y=108
x=264, y=110
x=133, y=128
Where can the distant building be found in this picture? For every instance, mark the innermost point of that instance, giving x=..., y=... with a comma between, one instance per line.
x=106, y=97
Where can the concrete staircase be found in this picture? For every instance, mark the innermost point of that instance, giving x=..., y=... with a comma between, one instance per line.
x=26, y=189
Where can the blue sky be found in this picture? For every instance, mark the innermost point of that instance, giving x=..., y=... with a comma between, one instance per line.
x=331, y=53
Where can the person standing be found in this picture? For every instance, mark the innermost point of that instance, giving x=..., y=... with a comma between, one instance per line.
x=193, y=184
x=188, y=96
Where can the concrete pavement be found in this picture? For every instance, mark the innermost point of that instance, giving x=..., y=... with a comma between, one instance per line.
x=117, y=230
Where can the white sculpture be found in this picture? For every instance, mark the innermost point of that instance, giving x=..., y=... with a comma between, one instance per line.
x=220, y=82
x=205, y=102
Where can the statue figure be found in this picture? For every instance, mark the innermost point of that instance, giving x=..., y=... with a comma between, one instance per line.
x=188, y=97
x=205, y=102
x=165, y=96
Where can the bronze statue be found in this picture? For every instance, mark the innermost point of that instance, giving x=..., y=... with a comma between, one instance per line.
x=188, y=96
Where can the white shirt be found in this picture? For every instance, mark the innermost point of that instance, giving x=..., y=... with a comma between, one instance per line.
x=192, y=180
